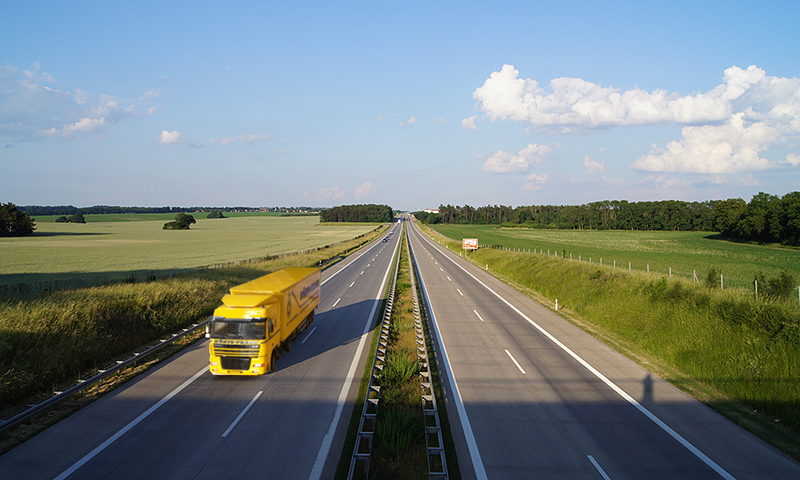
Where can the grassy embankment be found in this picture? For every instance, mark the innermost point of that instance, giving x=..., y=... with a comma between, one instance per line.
x=55, y=339
x=737, y=354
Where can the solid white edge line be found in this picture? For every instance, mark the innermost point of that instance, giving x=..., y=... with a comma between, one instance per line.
x=322, y=455
x=309, y=334
x=242, y=414
x=66, y=473
x=515, y=362
x=675, y=435
x=599, y=468
x=472, y=445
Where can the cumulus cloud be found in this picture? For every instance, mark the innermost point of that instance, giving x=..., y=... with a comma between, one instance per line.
x=469, y=123
x=726, y=129
x=536, y=181
x=441, y=121
x=364, y=190
x=168, y=138
x=334, y=193
x=411, y=121
x=592, y=166
x=513, y=162
x=730, y=148
x=31, y=107
x=793, y=159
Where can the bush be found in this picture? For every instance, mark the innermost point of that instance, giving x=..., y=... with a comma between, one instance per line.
x=778, y=287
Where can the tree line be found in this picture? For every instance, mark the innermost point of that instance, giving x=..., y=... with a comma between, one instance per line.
x=39, y=210
x=357, y=213
x=603, y=215
x=765, y=219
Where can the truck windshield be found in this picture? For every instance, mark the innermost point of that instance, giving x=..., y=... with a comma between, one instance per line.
x=239, y=330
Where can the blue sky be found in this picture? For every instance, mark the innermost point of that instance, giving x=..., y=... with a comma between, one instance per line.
x=408, y=104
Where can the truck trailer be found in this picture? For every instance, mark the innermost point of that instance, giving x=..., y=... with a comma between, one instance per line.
x=259, y=319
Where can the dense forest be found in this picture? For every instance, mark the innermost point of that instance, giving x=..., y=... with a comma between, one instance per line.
x=357, y=213
x=766, y=219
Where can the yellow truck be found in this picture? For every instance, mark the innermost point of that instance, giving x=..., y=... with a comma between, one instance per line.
x=259, y=319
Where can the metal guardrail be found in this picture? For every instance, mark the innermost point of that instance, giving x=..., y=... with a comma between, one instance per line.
x=437, y=463
x=78, y=386
x=359, y=463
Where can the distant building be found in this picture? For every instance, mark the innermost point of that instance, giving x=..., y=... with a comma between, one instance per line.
x=431, y=210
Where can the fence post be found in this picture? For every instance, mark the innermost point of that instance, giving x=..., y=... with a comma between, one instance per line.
x=756, y=282
x=721, y=283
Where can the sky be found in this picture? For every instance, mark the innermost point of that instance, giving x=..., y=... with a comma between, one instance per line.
x=408, y=104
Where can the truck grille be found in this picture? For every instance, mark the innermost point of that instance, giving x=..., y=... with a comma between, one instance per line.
x=236, y=350
x=234, y=363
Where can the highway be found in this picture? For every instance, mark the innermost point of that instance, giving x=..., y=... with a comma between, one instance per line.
x=177, y=421
x=529, y=395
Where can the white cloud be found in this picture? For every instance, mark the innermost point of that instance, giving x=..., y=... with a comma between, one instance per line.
x=168, y=138
x=726, y=129
x=469, y=123
x=334, y=192
x=441, y=121
x=242, y=139
x=31, y=109
x=364, y=190
x=536, y=181
x=793, y=159
x=411, y=121
x=733, y=147
x=512, y=162
x=152, y=93
x=592, y=166
x=85, y=125
x=577, y=104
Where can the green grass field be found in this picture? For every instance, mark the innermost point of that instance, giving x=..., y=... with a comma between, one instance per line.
x=684, y=252
x=144, y=217
x=64, y=251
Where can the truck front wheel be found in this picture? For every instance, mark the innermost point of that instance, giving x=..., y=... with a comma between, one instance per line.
x=274, y=360
x=287, y=345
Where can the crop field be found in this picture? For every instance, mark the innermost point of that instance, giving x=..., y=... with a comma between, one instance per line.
x=64, y=251
x=684, y=252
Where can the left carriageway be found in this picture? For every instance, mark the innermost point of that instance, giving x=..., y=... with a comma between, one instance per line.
x=177, y=421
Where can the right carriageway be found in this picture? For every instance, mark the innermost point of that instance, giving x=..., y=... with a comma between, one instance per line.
x=529, y=395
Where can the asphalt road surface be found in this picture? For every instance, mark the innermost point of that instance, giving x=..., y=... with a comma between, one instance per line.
x=529, y=395
x=178, y=421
